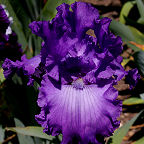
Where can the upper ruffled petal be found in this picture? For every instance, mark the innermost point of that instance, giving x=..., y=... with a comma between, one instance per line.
x=106, y=40
x=83, y=17
x=63, y=32
x=54, y=47
x=78, y=113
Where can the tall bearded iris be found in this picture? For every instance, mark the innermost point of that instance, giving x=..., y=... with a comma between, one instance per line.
x=77, y=73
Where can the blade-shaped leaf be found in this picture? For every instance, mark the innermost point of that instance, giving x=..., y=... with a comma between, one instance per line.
x=32, y=8
x=134, y=24
x=31, y=131
x=22, y=14
x=125, y=10
x=140, y=6
x=49, y=10
x=139, y=60
x=1, y=134
x=39, y=140
x=16, y=26
x=121, y=132
x=2, y=78
x=139, y=37
x=141, y=20
x=140, y=141
x=133, y=101
x=121, y=30
x=22, y=138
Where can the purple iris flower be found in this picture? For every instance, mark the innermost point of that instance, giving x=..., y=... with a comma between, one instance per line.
x=9, y=47
x=77, y=73
x=4, y=21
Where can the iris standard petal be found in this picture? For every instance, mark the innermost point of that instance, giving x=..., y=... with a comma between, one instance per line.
x=83, y=17
x=106, y=40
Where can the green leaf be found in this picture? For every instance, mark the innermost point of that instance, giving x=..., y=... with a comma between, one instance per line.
x=31, y=131
x=1, y=134
x=139, y=37
x=125, y=61
x=2, y=78
x=122, y=131
x=140, y=6
x=17, y=80
x=32, y=8
x=140, y=141
x=139, y=60
x=134, y=24
x=125, y=10
x=22, y=138
x=16, y=26
x=141, y=21
x=22, y=14
x=133, y=101
x=39, y=140
x=37, y=44
x=121, y=30
x=124, y=32
x=49, y=10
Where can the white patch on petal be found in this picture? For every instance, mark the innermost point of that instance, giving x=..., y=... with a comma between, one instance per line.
x=7, y=13
x=8, y=31
x=11, y=19
x=3, y=6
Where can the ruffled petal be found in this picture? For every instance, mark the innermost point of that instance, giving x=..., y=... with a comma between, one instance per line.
x=75, y=67
x=106, y=40
x=27, y=66
x=132, y=78
x=84, y=15
x=78, y=113
x=4, y=21
x=61, y=35
x=10, y=67
x=53, y=47
x=108, y=70
x=40, y=28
